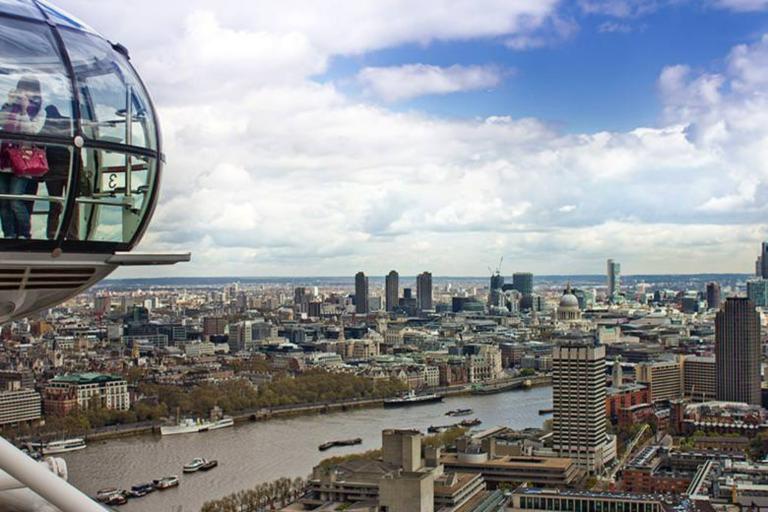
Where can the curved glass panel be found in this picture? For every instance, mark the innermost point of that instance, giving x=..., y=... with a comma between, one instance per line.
x=61, y=17
x=113, y=196
x=20, y=8
x=31, y=205
x=34, y=89
x=113, y=104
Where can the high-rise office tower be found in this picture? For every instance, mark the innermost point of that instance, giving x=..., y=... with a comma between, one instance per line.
x=578, y=391
x=757, y=291
x=495, y=296
x=762, y=261
x=361, y=293
x=301, y=298
x=713, y=295
x=392, y=290
x=737, y=351
x=614, y=280
x=424, y=291
x=523, y=282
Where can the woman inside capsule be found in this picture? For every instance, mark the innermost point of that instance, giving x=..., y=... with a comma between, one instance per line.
x=23, y=113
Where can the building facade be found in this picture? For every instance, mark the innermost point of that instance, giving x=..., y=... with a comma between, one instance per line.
x=19, y=405
x=424, y=291
x=713, y=295
x=578, y=391
x=737, y=352
x=87, y=390
x=614, y=280
x=523, y=282
x=392, y=290
x=361, y=293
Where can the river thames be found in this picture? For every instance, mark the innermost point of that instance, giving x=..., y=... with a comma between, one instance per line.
x=251, y=453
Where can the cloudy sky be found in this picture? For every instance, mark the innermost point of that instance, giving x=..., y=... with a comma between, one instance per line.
x=308, y=137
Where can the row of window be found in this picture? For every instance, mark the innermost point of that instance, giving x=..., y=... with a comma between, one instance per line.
x=586, y=504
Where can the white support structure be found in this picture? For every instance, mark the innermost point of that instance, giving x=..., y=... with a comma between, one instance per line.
x=48, y=485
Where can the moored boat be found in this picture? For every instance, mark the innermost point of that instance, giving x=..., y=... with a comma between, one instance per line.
x=140, y=490
x=209, y=464
x=62, y=446
x=222, y=423
x=103, y=495
x=459, y=412
x=118, y=498
x=343, y=442
x=190, y=425
x=413, y=399
x=470, y=423
x=195, y=465
x=166, y=482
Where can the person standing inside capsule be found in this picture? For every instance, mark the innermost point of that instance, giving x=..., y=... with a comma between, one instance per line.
x=23, y=113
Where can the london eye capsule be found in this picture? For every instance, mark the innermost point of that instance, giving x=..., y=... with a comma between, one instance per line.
x=80, y=158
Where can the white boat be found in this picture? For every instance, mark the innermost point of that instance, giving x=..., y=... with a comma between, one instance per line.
x=189, y=425
x=195, y=465
x=65, y=445
x=166, y=482
x=222, y=423
x=413, y=399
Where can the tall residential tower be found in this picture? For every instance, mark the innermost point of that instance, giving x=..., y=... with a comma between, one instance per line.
x=392, y=290
x=361, y=293
x=737, y=351
x=424, y=291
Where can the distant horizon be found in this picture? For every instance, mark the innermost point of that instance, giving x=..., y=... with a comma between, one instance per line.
x=434, y=276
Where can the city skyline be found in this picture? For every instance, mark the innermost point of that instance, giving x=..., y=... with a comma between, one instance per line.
x=452, y=138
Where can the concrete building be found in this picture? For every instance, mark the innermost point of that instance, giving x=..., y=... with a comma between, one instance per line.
x=737, y=352
x=542, y=500
x=392, y=290
x=199, y=348
x=361, y=293
x=699, y=378
x=403, y=480
x=579, y=422
x=424, y=291
x=107, y=391
x=19, y=405
x=214, y=326
x=663, y=378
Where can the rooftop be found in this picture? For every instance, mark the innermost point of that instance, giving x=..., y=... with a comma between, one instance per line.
x=85, y=378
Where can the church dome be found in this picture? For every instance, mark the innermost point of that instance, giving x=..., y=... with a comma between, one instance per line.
x=568, y=300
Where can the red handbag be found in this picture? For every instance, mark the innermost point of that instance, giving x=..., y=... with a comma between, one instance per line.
x=27, y=161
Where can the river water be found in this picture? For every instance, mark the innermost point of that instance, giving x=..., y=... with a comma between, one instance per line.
x=257, y=452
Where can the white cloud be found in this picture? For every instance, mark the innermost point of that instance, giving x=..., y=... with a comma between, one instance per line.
x=620, y=8
x=742, y=5
x=614, y=27
x=272, y=173
x=411, y=80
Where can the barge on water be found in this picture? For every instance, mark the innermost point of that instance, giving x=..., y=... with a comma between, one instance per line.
x=343, y=442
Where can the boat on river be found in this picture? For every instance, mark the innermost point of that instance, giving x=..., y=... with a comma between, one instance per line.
x=459, y=412
x=413, y=399
x=190, y=425
x=343, y=442
x=166, y=482
x=53, y=447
